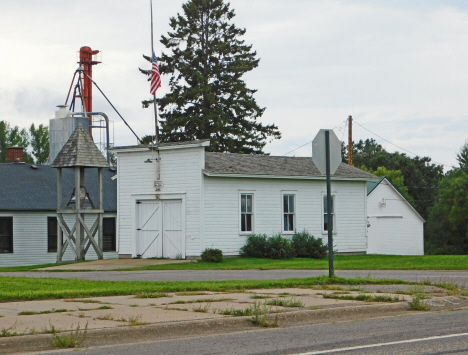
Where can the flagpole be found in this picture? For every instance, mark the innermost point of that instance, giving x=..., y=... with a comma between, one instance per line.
x=154, y=95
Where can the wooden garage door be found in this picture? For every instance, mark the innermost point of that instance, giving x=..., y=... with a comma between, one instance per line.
x=160, y=229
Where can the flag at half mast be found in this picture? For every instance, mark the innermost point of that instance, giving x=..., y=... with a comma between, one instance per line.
x=155, y=77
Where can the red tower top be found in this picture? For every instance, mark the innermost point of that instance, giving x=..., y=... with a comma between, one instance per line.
x=87, y=61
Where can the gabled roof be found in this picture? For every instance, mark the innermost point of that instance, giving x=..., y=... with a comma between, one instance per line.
x=24, y=188
x=79, y=150
x=371, y=185
x=266, y=165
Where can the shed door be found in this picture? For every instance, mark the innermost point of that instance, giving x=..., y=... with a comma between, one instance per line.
x=160, y=230
x=173, y=229
x=149, y=233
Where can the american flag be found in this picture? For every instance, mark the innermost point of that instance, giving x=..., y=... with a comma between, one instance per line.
x=155, y=77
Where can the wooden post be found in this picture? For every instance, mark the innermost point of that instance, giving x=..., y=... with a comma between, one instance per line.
x=59, y=207
x=350, y=140
x=79, y=228
x=100, y=215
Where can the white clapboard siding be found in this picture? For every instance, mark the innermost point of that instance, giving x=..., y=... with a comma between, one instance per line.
x=30, y=240
x=395, y=227
x=181, y=174
x=222, y=210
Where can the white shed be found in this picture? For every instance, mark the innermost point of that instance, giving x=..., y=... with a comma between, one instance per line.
x=395, y=227
x=175, y=200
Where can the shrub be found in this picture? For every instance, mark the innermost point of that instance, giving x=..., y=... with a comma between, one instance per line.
x=306, y=246
x=256, y=246
x=212, y=255
x=280, y=248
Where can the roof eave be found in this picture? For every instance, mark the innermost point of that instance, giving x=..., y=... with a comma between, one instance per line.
x=291, y=177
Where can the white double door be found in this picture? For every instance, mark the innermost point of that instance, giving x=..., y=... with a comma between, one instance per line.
x=160, y=229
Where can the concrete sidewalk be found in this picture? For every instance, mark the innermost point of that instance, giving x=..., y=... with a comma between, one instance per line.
x=112, y=264
x=129, y=318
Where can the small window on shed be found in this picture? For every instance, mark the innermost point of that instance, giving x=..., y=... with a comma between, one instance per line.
x=6, y=234
x=109, y=239
x=52, y=234
x=246, y=214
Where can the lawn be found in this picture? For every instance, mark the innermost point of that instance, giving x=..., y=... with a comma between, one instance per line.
x=27, y=289
x=342, y=262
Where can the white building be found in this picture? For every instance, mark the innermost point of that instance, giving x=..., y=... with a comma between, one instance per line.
x=175, y=200
x=395, y=226
x=28, y=218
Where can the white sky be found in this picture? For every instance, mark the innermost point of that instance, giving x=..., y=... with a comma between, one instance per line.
x=400, y=68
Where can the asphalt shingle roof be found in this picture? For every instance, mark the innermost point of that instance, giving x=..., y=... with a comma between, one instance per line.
x=79, y=150
x=23, y=188
x=244, y=164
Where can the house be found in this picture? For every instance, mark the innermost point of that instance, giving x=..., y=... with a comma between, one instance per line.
x=176, y=199
x=28, y=205
x=395, y=227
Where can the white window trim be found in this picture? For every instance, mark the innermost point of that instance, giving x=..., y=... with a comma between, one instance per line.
x=294, y=193
x=239, y=213
x=335, y=223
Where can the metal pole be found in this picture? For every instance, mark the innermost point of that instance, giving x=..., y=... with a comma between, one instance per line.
x=350, y=140
x=331, y=268
x=156, y=137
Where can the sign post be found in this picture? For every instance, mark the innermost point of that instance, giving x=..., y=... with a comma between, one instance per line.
x=331, y=268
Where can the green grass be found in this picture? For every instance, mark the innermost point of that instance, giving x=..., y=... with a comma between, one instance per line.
x=342, y=262
x=25, y=288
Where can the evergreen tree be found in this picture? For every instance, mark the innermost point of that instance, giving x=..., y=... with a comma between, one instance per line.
x=462, y=157
x=208, y=98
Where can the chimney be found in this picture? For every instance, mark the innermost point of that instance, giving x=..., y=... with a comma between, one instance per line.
x=14, y=155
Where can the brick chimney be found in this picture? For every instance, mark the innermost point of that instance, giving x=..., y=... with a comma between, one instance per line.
x=14, y=155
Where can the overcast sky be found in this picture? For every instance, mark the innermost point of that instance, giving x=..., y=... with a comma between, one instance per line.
x=400, y=68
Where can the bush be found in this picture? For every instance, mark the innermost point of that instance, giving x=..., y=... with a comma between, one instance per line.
x=212, y=255
x=256, y=246
x=280, y=248
x=306, y=246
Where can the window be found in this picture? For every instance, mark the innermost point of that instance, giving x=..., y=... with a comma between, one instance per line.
x=52, y=234
x=6, y=234
x=289, y=223
x=246, y=212
x=108, y=240
x=325, y=213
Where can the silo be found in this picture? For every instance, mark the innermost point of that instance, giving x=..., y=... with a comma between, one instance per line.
x=60, y=129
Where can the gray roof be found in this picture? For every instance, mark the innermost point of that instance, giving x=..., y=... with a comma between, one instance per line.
x=23, y=188
x=244, y=164
x=80, y=150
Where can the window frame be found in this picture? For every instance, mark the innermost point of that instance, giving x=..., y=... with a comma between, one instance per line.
x=49, y=250
x=10, y=219
x=252, y=213
x=114, y=241
x=283, y=213
x=335, y=229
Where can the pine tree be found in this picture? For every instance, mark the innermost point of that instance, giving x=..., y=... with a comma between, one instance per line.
x=462, y=157
x=208, y=98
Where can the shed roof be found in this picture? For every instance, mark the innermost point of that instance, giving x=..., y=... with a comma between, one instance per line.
x=245, y=164
x=371, y=185
x=24, y=188
x=79, y=150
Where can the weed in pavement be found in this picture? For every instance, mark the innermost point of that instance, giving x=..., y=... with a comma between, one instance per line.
x=260, y=314
x=152, y=295
x=72, y=340
x=51, y=329
x=6, y=332
x=107, y=316
x=202, y=309
x=417, y=304
x=293, y=302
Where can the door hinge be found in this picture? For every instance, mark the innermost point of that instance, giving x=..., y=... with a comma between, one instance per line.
x=138, y=229
x=138, y=202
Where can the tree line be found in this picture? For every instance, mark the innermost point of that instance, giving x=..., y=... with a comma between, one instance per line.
x=35, y=142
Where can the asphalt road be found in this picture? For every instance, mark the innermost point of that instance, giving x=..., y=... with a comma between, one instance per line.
x=421, y=333
x=458, y=277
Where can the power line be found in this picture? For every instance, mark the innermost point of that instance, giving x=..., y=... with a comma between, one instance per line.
x=312, y=140
x=386, y=140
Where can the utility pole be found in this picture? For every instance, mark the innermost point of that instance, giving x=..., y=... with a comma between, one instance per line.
x=331, y=267
x=350, y=140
